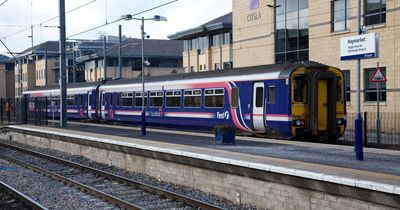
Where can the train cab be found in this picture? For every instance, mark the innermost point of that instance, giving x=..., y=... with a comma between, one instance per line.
x=317, y=102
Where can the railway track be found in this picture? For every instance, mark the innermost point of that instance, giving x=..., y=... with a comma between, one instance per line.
x=10, y=198
x=120, y=191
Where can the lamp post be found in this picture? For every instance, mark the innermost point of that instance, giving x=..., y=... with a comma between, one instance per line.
x=143, y=34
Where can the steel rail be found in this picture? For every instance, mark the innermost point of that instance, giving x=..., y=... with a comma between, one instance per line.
x=21, y=197
x=97, y=193
x=152, y=189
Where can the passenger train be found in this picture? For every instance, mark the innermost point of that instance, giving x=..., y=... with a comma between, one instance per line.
x=289, y=100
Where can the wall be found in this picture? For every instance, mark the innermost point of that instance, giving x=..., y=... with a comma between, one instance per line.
x=41, y=67
x=253, y=34
x=209, y=58
x=239, y=189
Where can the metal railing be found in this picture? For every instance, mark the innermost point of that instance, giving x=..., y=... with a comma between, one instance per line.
x=390, y=129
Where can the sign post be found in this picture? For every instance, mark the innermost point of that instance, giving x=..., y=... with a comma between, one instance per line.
x=378, y=77
x=359, y=47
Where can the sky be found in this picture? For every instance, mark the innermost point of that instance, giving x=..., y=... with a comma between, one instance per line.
x=17, y=16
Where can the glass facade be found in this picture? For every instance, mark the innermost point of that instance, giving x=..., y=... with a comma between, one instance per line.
x=291, y=25
x=340, y=15
x=375, y=12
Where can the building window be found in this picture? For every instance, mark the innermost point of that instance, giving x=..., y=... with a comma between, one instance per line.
x=192, y=99
x=375, y=12
x=127, y=99
x=340, y=15
x=214, y=98
x=217, y=66
x=173, y=98
x=291, y=25
x=228, y=65
x=347, y=84
x=156, y=98
x=370, y=87
x=138, y=99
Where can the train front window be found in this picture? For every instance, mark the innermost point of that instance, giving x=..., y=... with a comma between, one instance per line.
x=299, y=89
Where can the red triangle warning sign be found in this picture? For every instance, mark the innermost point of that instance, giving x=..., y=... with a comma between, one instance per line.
x=378, y=76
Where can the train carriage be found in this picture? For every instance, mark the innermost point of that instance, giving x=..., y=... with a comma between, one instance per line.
x=283, y=100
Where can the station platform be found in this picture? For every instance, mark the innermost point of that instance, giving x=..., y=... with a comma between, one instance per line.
x=323, y=167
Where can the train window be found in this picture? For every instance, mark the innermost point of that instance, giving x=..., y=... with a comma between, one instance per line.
x=173, y=98
x=235, y=97
x=127, y=99
x=79, y=100
x=118, y=98
x=299, y=89
x=214, y=98
x=56, y=100
x=138, y=99
x=111, y=100
x=192, y=99
x=271, y=94
x=156, y=99
x=259, y=96
x=70, y=100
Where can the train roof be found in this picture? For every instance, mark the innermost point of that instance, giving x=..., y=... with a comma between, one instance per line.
x=281, y=71
x=274, y=71
x=56, y=87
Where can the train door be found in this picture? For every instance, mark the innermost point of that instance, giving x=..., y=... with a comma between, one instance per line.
x=258, y=107
x=103, y=106
x=322, y=104
x=89, y=105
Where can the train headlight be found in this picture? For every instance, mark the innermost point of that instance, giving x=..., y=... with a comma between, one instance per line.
x=339, y=121
x=298, y=123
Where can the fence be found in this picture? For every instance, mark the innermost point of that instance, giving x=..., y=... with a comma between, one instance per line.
x=7, y=117
x=24, y=111
x=390, y=129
